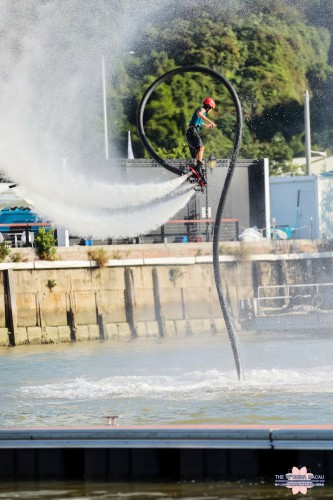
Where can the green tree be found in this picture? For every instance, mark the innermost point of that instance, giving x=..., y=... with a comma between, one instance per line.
x=297, y=144
x=277, y=150
x=45, y=244
x=270, y=50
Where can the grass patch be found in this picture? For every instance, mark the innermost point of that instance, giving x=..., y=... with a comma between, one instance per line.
x=241, y=252
x=100, y=256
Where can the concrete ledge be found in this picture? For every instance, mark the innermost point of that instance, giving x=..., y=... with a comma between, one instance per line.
x=141, y=329
x=93, y=331
x=56, y=264
x=152, y=329
x=161, y=261
x=82, y=332
x=145, y=329
x=112, y=331
x=204, y=259
x=21, y=336
x=16, y=265
x=51, y=332
x=64, y=333
x=125, y=262
x=290, y=256
x=34, y=333
x=4, y=341
x=220, y=325
x=170, y=328
x=167, y=261
x=124, y=330
x=183, y=327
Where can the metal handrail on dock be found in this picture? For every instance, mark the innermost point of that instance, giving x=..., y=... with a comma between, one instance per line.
x=310, y=291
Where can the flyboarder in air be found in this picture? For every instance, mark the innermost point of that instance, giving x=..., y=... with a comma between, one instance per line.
x=193, y=138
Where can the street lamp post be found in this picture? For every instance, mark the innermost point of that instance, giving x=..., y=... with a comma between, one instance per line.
x=106, y=141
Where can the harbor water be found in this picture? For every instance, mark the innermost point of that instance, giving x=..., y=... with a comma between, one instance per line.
x=184, y=380
x=186, y=491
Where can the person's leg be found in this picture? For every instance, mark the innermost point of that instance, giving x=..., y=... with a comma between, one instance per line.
x=192, y=142
x=200, y=166
x=196, y=149
x=200, y=153
x=193, y=152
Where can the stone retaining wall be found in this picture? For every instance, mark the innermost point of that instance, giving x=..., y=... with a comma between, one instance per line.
x=142, y=296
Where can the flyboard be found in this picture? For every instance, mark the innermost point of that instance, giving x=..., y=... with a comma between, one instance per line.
x=191, y=173
x=199, y=183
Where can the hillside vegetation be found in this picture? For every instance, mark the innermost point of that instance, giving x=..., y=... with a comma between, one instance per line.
x=271, y=51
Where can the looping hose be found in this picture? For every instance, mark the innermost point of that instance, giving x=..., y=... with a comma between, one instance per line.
x=217, y=226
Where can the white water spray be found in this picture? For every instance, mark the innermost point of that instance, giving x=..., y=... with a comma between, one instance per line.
x=51, y=108
x=94, y=193
x=104, y=223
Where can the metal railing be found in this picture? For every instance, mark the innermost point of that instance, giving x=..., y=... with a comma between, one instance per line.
x=195, y=230
x=13, y=232
x=278, y=298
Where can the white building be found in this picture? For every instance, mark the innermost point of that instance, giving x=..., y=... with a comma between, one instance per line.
x=302, y=206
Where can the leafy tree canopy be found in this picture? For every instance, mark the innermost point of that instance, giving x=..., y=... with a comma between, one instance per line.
x=270, y=50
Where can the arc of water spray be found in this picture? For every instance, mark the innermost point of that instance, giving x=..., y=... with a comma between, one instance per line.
x=217, y=226
x=95, y=193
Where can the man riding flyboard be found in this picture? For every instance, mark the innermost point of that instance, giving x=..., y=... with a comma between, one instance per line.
x=194, y=140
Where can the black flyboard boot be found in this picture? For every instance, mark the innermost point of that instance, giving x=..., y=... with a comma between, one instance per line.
x=201, y=171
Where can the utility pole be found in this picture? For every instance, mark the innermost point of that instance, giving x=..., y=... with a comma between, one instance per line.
x=307, y=127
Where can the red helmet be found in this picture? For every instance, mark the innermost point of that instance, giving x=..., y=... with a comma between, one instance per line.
x=209, y=102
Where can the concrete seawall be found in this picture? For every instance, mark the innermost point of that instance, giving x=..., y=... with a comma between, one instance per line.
x=145, y=291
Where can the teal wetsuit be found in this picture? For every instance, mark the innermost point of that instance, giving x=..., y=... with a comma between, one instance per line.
x=196, y=121
x=192, y=135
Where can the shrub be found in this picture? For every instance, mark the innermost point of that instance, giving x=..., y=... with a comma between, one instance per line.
x=17, y=257
x=45, y=244
x=4, y=250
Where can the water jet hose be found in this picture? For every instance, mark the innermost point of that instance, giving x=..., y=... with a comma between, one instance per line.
x=217, y=226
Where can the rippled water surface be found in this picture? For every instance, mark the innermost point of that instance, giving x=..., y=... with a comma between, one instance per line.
x=189, y=380
x=138, y=491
